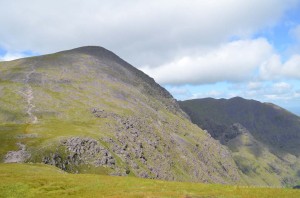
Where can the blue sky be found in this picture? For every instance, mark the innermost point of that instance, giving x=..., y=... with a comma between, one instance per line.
x=196, y=49
x=285, y=43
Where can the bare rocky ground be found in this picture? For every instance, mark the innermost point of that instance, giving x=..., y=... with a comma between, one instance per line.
x=18, y=156
x=28, y=96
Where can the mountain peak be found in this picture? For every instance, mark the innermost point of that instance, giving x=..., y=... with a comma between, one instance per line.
x=237, y=98
x=94, y=51
x=90, y=49
x=100, y=114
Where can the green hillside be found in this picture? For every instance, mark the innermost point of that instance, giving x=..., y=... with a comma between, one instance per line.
x=88, y=111
x=263, y=138
x=37, y=180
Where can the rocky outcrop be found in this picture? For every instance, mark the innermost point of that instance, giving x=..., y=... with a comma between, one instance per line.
x=232, y=132
x=152, y=155
x=17, y=156
x=77, y=151
x=135, y=143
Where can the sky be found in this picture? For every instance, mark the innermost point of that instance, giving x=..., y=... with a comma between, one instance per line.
x=195, y=48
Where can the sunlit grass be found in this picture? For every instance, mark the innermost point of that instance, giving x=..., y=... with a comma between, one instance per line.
x=37, y=180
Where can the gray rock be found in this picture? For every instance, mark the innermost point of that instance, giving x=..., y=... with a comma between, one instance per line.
x=81, y=151
x=17, y=156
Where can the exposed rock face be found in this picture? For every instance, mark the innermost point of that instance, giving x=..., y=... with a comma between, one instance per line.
x=17, y=156
x=80, y=151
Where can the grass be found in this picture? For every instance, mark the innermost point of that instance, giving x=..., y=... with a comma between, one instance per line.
x=7, y=138
x=65, y=91
x=260, y=166
x=261, y=161
x=37, y=180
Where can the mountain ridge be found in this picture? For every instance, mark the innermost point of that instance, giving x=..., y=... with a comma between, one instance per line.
x=263, y=138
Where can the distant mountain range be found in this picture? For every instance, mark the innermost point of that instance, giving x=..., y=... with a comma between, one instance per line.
x=264, y=138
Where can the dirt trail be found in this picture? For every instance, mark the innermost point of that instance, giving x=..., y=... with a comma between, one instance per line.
x=28, y=94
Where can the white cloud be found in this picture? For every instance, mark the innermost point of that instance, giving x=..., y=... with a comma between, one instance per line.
x=274, y=67
x=276, y=92
x=282, y=86
x=11, y=56
x=291, y=68
x=295, y=32
x=177, y=90
x=233, y=61
x=142, y=32
x=212, y=93
x=254, y=85
x=280, y=90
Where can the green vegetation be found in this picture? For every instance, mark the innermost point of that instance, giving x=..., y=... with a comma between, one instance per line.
x=263, y=138
x=122, y=121
x=37, y=180
x=87, y=111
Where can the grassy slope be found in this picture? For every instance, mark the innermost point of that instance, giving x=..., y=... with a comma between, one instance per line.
x=34, y=180
x=260, y=166
x=68, y=86
x=262, y=162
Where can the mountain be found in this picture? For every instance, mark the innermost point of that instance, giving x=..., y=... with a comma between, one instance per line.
x=263, y=138
x=88, y=111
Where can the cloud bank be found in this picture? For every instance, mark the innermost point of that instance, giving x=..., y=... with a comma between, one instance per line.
x=233, y=61
x=143, y=32
x=275, y=68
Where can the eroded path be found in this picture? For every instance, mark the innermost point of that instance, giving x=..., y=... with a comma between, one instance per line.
x=28, y=95
x=21, y=155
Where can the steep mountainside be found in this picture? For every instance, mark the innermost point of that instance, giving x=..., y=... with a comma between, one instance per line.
x=264, y=139
x=87, y=110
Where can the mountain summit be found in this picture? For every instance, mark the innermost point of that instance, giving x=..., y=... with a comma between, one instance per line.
x=88, y=111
